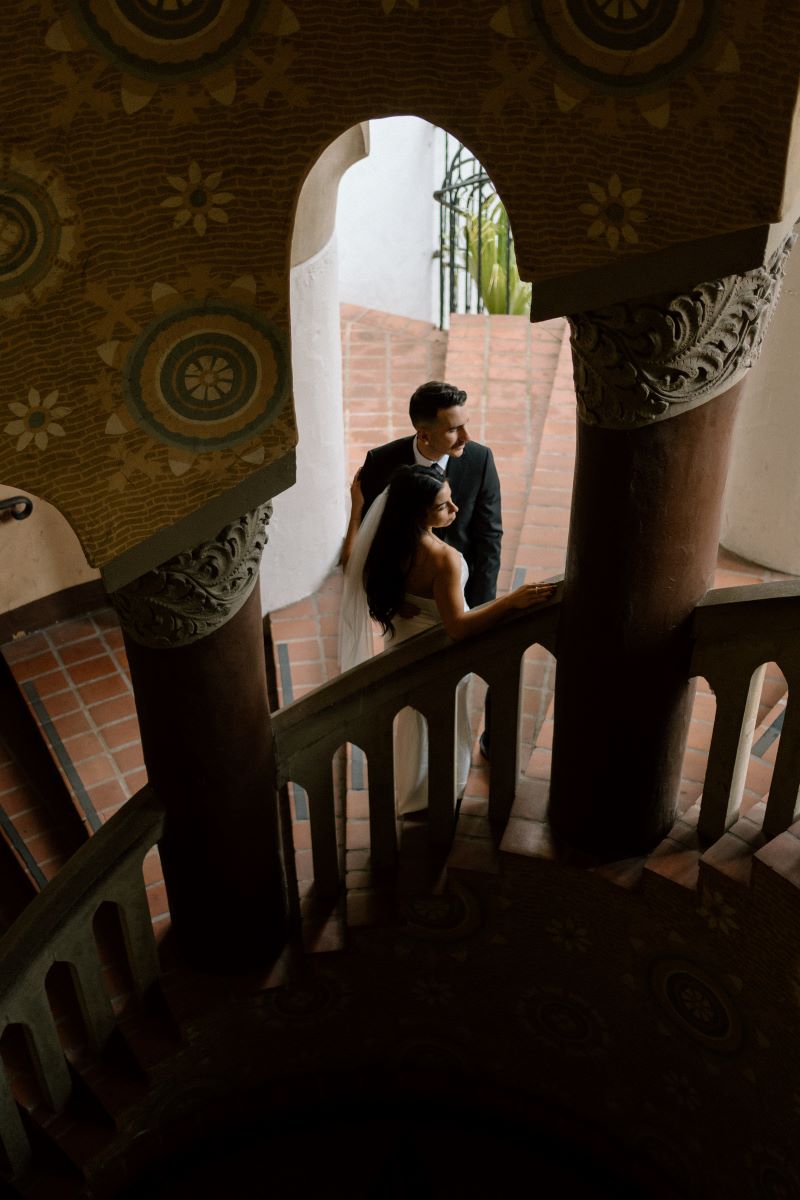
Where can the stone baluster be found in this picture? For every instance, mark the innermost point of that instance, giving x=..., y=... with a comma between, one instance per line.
x=378, y=746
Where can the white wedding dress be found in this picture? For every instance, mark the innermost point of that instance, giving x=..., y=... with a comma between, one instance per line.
x=356, y=646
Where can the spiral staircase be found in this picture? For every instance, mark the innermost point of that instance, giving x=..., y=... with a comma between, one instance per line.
x=626, y=1012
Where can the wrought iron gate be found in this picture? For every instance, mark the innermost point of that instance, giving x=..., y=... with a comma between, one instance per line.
x=477, y=263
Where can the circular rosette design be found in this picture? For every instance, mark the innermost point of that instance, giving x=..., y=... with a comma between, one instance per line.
x=772, y=1176
x=448, y=916
x=565, y=1021
x=697, y=1004
x=207, y=376
x=316, y=997
x=162, y=41
x=623, y=44
x=37, y=232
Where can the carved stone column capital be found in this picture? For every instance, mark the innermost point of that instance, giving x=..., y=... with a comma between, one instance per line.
x=193, y=594
x=648, y=360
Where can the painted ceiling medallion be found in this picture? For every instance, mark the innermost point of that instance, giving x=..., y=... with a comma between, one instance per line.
x=697, y=1003
x=634, y=48
x=163, y=42
x=203, y=376
x=38, y=231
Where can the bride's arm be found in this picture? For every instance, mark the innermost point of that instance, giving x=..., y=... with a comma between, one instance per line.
x=449, y=599
x=356, y=509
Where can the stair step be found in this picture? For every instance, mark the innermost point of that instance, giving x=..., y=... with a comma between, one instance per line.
x=677, y=857
x=782, y=855
x=732, y=854
x=627, y=873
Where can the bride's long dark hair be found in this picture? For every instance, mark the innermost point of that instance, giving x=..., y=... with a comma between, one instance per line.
x=412, y=491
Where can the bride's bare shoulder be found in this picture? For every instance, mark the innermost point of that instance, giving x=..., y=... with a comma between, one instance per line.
x=444, y=557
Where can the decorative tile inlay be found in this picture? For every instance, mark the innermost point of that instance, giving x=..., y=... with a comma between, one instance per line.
x=37, y=420
x=159, y=44
x=198, y=201
x=38, y=231
x=615, y=211
x=698, y=1004
x=202, y=376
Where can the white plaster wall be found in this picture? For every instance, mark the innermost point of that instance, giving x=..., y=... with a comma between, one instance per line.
x=40, y=555
x=761, y=519
x=387, y=221
x=308, y=522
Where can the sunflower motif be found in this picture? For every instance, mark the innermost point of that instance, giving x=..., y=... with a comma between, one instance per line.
x=37, y=421
x=614, y=212
x=568, y=935
x=202, y=379
x=197, y=201
x=642, y=51
x=156, y=44
x=682, y=1091
x=717, y=913
x=39, y=231
x=433, y=992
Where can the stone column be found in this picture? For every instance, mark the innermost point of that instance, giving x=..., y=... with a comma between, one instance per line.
x=657, y=383
x=193, y=636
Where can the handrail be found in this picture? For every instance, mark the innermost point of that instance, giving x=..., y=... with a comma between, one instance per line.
x=735, y=631
x=360, y=706
x=57, y=927
x=17, y=507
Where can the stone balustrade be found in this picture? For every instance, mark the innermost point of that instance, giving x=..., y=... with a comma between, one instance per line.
x=360, y=706
x=736, y=631
x=57, y=927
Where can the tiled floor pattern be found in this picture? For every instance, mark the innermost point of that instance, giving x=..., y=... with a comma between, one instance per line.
x=75, y=678
x=519, y=379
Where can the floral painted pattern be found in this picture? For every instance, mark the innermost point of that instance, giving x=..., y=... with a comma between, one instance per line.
x=717, y=913
x=614, y=211
x=567, y=934
x=152, y=50
x=37, y=420
x=197, y=201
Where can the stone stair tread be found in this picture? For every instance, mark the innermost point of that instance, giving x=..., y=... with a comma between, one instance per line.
x=626, y=873
x=732, y=854
x=531, y=797
x=677, y=856
x=782, y=855
x=531, y=839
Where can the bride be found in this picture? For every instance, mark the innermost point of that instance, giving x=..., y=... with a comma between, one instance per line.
x=400, y=574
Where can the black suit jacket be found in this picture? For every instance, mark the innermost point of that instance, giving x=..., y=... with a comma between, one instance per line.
x=478, y=527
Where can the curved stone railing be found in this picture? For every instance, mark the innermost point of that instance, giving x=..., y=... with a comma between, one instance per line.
x=736, y=631
x=360, y=706
x=57, y=927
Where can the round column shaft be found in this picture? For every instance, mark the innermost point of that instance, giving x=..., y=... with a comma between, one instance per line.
x=200, y=685
x=643, y=544
x=657, y=383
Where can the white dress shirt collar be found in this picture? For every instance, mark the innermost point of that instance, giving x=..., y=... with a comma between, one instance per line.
x=422, y=461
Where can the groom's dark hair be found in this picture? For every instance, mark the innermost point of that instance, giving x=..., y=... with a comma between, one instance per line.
x=430, y=397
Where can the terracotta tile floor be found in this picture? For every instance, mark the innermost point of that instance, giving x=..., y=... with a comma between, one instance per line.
x=521, y=402
x=74, y=676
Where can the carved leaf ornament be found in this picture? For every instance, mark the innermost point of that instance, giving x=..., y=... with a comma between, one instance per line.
x=196, y=592
x=647, y=360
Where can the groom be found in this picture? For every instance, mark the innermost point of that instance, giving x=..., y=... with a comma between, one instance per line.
x=438, y=416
